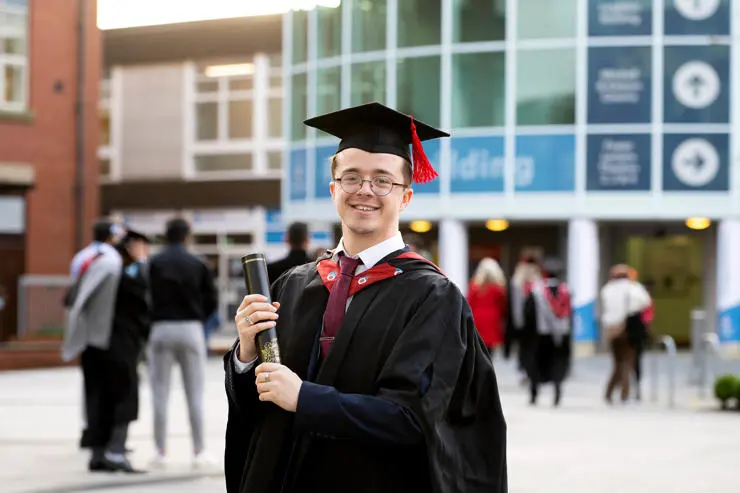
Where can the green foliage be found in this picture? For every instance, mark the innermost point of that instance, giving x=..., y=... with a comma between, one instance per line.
x=727, y=387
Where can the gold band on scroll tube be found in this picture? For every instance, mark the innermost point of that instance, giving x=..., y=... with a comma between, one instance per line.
x=270, y=352
x=255, y=260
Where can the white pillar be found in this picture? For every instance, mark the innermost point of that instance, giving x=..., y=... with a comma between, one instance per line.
x=583, y=279
x=453, y=252
x=728, y=284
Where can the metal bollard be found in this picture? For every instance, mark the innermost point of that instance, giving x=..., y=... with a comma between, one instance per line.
x=710, y=350
x=698, y=327
x=670, y=346
x=654, y=367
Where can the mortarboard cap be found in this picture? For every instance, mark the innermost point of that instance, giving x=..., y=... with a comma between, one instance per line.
x=135, y=235
x=376, y=128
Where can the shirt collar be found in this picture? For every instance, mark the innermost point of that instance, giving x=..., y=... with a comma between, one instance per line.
x=375, y=253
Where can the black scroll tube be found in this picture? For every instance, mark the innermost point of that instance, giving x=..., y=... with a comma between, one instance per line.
x=254, y=267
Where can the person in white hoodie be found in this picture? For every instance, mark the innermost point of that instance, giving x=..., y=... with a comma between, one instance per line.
x=622, y=302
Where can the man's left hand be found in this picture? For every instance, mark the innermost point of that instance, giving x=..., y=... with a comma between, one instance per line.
x=277, y=383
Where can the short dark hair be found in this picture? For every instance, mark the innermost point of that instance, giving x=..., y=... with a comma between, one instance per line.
x=102, y=230
x=177, y=231
x=297, y=234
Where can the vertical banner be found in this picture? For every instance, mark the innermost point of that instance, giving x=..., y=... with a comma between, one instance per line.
x=728, y=281
x=583, y=278
x=618, y=162
x=696, y=162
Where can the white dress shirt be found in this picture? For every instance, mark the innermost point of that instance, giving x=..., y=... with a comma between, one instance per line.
x=369, y=257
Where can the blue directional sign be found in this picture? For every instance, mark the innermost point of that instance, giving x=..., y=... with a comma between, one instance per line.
x=696, y=87
x=545, y=163
x=431, y=149
x=695, y=162
x=619, y=84
x=697, y=17
x=620, y=17
x=322, y=176
x=618, y=162
x=477, y=164
x=297, y=169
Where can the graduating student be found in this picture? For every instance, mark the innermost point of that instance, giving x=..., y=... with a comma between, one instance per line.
x=385, y=384
x=547, y=330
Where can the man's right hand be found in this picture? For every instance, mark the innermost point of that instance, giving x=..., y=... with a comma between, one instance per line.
x=252, y=317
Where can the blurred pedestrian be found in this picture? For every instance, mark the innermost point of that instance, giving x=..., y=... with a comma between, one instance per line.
x=525, y=272
x=487, y=299
x=547, y=330
x=622, y=304
x=298, y=239
x=183, y=296
x=90, y=301
x=643, y=341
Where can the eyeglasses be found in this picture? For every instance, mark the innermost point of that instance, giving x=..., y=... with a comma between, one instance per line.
x=380, y=185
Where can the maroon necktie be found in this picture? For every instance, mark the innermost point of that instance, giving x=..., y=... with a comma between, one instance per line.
x=337, y=304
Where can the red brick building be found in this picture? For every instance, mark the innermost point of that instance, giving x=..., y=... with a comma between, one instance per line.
x=45, y=210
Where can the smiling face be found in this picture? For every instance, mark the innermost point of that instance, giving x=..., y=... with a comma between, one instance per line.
x=367, y=218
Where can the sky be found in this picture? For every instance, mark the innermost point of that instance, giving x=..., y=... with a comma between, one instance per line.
x=114, y=14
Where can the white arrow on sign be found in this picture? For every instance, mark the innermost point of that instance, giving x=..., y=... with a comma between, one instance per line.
x=696, y=84
x=695, y=162
x=696, y=10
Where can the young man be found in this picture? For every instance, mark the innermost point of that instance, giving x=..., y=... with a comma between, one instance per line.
x=397, y=394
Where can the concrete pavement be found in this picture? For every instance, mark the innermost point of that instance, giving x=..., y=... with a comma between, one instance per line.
x=584, y=446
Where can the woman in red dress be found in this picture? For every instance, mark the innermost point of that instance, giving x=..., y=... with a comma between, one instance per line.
x=487, y=300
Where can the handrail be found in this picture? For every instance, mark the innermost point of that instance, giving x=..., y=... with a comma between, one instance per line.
x=710, y=350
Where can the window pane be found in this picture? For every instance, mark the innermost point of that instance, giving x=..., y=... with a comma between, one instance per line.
x=368, y=82
x=299, y=108
x=300, y=35
x=224, y=162
x=104, y=167
x=540, y=19
x=478, y=89
x=418, y=88
x=240, y=119
x=546, y=86
x=329, y=90
x=275, y=117
x=205, y=86
x=104, y=128
x=207, y=121
x=419, y=22
x=276, y=81
x=13, y=45
x=276, y=60
x=479, y=20
x=13, y=84
x=274, y=160
x=329, y=31
x=241, y=83
x=368, y=25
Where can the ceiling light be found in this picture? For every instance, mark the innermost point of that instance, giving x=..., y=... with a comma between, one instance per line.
x=698, y=223
x=497, y=224
x=420, y=226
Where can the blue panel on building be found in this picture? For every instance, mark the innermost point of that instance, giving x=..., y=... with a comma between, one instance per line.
x=697, y=17
x=620, y=17
x=431, y=149
x=697, y=84
x=619, y=84
x=298, y=175
x=695, y=162
x=618, y=162
x=322, y=176
x=545, y=163
x=477, y=164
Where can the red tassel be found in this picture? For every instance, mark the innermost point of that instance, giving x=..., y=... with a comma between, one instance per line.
x=423, y=170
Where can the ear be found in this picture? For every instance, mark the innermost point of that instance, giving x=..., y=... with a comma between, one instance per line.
x=332, y=189
x=406, y=198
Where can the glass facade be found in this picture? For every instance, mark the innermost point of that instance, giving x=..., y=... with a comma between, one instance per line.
x=572, y=101
x=14, y=64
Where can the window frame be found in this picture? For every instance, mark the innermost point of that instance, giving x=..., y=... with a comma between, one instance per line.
x=21, y=61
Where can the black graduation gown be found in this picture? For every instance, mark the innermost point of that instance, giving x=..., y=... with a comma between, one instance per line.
x=293, y=259
x=409, y=342
x=131, y=324
x=545, y=359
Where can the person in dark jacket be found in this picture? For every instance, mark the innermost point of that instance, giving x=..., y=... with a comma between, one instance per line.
x=116, y=367
x=297, y=239
x=183, y=297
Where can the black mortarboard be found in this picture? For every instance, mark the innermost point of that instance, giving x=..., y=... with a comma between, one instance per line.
x=135, y=235
x=376, y=128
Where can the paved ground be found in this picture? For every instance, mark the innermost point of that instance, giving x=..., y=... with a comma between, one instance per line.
x=582, y=447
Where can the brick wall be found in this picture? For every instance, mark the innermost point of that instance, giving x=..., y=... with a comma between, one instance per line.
x=47, y=140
